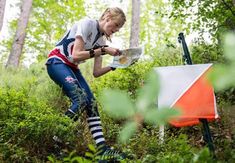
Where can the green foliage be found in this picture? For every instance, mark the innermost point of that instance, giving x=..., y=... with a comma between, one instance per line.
x=179, y=145
x=6, y=44
x=129, y=79
x=148, y=148
x=224, y=75
x=13, y=152
x=206, y=53
x=175, y=149
x=118, y=105
x=213, y=16
x=49, y=21
x=28, y=121
x=157, y=30
x=71, y=158
x=148, y=94
x=203, y=156
x=128, y=130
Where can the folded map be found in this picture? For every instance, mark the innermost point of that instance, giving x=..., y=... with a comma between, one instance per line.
x=127, y=58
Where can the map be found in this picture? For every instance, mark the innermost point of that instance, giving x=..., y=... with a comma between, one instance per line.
x=127, y=58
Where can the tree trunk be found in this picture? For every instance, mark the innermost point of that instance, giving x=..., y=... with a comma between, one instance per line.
x=17, y=46
x=2, y=10
x=135, y=23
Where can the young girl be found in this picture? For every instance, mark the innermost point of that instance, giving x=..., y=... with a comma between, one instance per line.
x=86, y=40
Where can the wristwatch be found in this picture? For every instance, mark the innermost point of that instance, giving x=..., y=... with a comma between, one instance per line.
x=113, y=68
x=92, y=53
x=103, y=50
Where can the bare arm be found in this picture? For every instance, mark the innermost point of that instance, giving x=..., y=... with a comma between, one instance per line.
x=98, y=70
x=79, y=53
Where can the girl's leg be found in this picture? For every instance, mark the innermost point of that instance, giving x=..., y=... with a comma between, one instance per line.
x=62, y=75
x=92, y=111
x=74, y=86
x=77, y=89
x=94, y=123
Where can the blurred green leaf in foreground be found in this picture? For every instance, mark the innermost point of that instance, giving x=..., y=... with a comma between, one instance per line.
x=223, y=75
x=119, y=105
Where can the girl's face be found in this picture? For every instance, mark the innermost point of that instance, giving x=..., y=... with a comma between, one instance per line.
x=111, y=26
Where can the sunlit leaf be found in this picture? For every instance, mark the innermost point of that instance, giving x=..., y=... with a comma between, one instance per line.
x=229, y=46
x=128, y=130
x=223, y=76
x=79, y=160
x=92, y=148
x=203, y=155
x=117, y=104
x=160, y=116
x=149, y=92
x=90, y=155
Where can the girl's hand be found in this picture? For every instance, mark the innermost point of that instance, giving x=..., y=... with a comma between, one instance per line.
x=112, y=51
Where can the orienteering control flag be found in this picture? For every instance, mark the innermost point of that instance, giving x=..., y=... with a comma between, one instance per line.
x=186, y=88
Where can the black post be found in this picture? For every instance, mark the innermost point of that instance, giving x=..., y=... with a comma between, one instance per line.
x=187, y=60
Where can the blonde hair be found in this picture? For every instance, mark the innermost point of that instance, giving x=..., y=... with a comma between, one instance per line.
x=115, y=13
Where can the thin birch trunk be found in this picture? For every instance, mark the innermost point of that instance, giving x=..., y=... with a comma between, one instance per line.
x=135, y=23
x=16, y=51
x=2, y=11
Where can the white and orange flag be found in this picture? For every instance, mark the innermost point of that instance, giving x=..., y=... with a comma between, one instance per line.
x=186, y=88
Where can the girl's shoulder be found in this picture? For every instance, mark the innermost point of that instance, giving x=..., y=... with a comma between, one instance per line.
x=87, y=21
